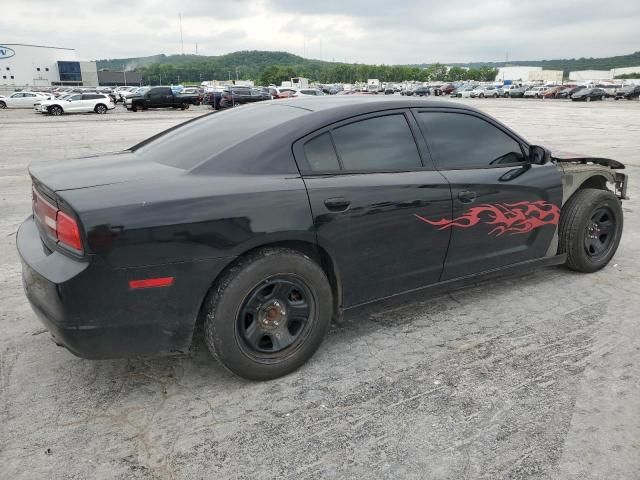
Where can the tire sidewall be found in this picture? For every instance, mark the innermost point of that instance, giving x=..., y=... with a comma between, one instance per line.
x=224, y=306
x=580, y=258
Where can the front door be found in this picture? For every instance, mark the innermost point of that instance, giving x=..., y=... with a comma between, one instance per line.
x=367, y=184
x=505, y=210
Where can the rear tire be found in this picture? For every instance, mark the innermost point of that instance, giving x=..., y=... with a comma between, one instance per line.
x=100, y=109
x=184, y=106
x=590, y=229
x=250, y=325
x=3, y=105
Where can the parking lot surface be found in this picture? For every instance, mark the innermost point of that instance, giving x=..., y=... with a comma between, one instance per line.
x=535, y=376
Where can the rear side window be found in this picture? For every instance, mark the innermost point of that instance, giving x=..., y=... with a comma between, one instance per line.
x=380, y=143
x=320, y=153
x=460, y=141
x=195, y=141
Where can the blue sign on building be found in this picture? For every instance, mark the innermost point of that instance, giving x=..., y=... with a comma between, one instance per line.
x=6, y=52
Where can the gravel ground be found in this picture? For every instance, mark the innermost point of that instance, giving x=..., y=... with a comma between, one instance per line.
x=536, y=376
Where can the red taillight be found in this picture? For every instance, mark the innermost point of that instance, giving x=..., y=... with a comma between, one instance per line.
x=67, y=231
x=57, y=224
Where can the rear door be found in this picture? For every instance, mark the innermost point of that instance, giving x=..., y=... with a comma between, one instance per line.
x=367, y=182
x=505, y=210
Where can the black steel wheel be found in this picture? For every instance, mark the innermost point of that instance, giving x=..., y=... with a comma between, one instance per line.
x=268, y=313
x=600, y=233
x=590, y=229
x=275, y=316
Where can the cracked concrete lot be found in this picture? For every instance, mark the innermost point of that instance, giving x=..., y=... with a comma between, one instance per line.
x=535, y=376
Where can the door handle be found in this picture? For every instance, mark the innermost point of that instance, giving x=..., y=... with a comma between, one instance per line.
x=337, y=204
x=467, y=197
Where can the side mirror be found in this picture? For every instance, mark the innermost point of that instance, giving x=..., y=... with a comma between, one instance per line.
x=539, y=155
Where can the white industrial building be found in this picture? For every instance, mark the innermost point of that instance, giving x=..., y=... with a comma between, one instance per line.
x=515, y=73
x=546, y=76
x=625, y=71
x=585, y=75
x=36, y=65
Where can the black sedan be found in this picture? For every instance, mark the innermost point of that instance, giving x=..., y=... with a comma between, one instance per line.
x=588, y=94
x=629, y=92
x=301, y=209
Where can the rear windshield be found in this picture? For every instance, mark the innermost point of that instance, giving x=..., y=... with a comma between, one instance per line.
x=196, y=141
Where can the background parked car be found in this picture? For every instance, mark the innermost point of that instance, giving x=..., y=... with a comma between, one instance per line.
x=535, y=92
x=23, y=99
x=309, y=92
x=421, y=92
x=483, y=91
x=77, y=103
x=629, y=92
x=569, y=91
x=588, y=94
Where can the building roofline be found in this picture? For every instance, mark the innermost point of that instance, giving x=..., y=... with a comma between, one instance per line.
x=39, y=46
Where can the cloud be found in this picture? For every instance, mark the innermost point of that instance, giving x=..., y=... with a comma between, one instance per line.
x=372, y=31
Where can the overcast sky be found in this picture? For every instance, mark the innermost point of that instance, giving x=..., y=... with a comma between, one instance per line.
x=371, y=31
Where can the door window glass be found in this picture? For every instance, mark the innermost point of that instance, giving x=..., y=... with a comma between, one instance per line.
x=320, y=154
x=380, y=143
x=460, y=141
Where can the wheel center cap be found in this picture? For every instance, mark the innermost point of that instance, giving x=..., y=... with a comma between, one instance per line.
x=272, y=314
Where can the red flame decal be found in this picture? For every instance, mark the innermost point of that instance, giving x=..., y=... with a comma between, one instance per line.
x=511, y=218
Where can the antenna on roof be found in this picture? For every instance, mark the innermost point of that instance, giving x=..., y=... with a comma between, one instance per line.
x=181, y=40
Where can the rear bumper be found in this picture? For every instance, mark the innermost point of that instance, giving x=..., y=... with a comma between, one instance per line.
x=89, y=308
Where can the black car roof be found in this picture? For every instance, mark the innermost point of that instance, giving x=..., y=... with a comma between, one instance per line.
x=361, y=104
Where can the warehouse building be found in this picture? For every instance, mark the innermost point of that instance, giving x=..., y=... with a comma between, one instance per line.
x=515, y=73
x=41, y=66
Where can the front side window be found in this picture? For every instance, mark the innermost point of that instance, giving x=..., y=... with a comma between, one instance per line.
x=459, y=141
x=75, y=98
x=380, y=143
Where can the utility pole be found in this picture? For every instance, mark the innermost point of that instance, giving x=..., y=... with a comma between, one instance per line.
x=124, y=72
x=181, y=39
x=237, y=73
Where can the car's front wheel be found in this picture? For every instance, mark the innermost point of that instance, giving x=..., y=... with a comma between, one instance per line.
x=268, y=314
x=590, y=229
x=55, y=110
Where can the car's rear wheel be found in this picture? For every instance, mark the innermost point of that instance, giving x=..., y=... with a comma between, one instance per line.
x=590, y=229
x=184, y=106
x=55, y=111
x=268, y=314
x=100, y=109
x=3, y=105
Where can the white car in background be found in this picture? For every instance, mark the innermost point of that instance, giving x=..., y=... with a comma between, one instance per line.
x=23, y=99
x=536, y=92
x=77, y=103
x=486, y=91
x=309, y=92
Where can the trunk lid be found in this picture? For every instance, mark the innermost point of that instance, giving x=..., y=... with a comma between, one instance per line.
x=99, y=170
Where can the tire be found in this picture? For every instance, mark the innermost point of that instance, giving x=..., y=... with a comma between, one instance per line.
x=590, y=229
x=588, y=99
x=134, y=108
x=506, y=94
x=3, y=105
x=482, y=95
x=100, y=109
x=243, y=329
x=184, y=106
x=56, y=111
x=495, y=95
